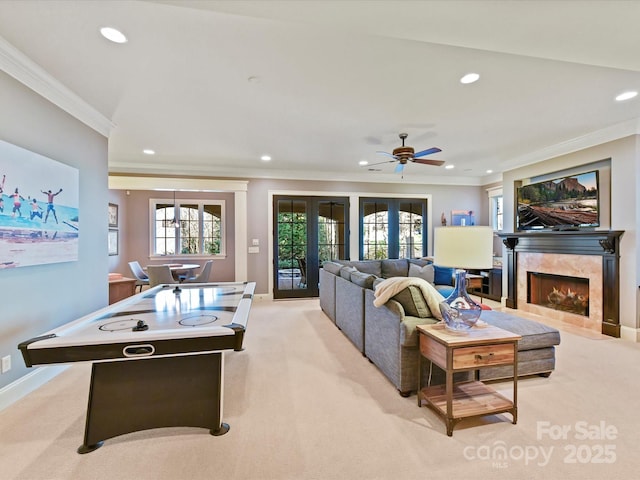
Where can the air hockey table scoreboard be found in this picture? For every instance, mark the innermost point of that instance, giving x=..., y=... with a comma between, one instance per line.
x=157, y=357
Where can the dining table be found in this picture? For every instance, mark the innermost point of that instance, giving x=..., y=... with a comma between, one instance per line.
x=181, y=271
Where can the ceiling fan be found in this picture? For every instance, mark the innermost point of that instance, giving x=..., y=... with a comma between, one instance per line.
x=405, y=154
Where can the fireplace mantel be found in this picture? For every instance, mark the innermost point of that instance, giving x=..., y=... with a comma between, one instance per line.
x=604, y=243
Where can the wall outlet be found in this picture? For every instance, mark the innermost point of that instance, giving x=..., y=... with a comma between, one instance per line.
x=254, y=249
x=255, y=242
x=6, y=364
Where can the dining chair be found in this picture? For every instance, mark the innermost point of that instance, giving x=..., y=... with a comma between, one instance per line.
x=302, y=265
x=204, y=274
x=159, y=274
x=142, y=278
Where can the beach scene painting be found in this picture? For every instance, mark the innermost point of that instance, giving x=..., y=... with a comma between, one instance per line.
x=39, y=200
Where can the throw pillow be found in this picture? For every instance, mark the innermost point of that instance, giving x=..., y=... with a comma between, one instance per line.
x=413, y=302
x=426, y=273
x=443, y=275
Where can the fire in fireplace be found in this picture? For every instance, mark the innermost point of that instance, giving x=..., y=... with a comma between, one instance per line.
x=569, y=294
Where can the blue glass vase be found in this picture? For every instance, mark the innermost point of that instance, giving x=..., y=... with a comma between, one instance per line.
x=458, y=310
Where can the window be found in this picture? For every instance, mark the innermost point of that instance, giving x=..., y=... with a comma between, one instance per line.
x=392, y=228
x=375, y=230
x=495, y=208
x=187, y=227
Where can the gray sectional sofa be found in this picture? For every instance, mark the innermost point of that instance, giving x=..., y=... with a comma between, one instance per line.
x=387, y=335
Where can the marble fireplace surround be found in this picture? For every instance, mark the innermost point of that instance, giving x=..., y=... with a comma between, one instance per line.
x=589, y=267
x=586, y=254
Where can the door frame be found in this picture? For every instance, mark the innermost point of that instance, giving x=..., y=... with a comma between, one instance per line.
x=312, y=210
x=354, y=219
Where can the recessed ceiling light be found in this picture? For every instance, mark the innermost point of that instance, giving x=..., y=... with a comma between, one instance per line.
x=148, y=151
x=626, y=95
x=363, y=162
x=113, y=34
x=470, y=78
x=449, y=167
x=265, y=158
x=489, y=171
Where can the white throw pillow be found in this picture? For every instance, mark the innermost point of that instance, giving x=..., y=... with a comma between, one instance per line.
x=426, y=272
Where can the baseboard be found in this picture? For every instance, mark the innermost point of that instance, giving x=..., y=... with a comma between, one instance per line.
x=27, y=384
x=263, y=296
x=630, y=334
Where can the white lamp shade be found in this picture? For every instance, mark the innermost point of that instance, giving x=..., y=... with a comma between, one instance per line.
x=463, y=247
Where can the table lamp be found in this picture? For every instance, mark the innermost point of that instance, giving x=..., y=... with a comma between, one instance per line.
x=462, y=248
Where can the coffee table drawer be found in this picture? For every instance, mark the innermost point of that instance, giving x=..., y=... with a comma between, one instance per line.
x=483, y=356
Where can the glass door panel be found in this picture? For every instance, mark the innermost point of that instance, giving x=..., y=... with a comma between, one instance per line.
x=411, y=238
x=292, y=242
x=375, y=230
x=308, y=232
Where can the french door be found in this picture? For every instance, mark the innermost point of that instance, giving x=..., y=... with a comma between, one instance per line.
x=308, y=231
x=392, y=228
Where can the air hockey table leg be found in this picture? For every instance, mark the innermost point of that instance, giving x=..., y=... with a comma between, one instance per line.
x=133, y=395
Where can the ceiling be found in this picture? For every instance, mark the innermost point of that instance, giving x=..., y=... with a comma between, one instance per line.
x=321, y=85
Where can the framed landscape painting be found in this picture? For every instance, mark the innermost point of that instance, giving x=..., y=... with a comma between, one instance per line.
x=39, y=200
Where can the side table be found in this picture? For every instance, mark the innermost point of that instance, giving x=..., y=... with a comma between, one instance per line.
x=469, y=351
x=121, y=288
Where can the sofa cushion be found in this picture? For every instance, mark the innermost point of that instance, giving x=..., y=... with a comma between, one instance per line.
x=366, y=266
x=364, y=280
x=427, y=272
x=346, y=271
x=443, y=275
x=413, y=302
x=378, y=281
x=409, y=332
x=394, y=267
x=332, y=267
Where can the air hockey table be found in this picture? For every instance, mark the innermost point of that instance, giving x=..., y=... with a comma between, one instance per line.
x=157, y=357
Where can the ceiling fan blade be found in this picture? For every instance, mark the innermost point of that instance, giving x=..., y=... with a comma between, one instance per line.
x=379, y=163
x=428, y=151
x=399, y=168
x=425, y=161
x=387, y=154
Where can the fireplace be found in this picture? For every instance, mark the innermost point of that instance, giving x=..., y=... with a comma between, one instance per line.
x=590, y=255
x=559, y=292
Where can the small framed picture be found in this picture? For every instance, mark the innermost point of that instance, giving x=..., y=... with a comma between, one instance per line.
x=113, y=215
x=113, y=242
x=463, y=218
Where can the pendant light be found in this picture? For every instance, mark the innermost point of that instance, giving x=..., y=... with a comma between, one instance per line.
x=175, y=223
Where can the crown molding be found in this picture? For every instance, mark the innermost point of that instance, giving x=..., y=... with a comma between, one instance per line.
x=26, y=71
x=604, y=135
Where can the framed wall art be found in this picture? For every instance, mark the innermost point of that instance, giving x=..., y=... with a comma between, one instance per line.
x=113, y=241
x=39, y=200
x=113, y=215
x=463, y=218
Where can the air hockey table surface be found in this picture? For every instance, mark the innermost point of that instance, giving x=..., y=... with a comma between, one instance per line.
x=164, y=320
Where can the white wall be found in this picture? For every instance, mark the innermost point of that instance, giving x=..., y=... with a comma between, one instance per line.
x=38, y=298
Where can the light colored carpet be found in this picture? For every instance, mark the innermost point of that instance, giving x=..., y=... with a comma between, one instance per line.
x=303, y=403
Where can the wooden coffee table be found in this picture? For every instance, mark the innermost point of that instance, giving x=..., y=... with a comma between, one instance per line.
x=473, y=350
